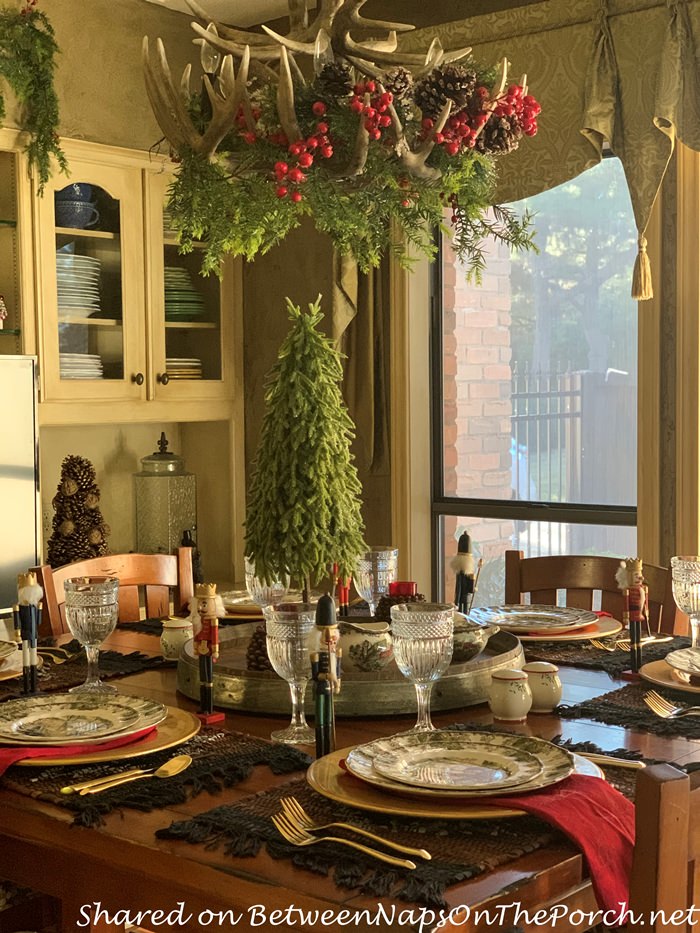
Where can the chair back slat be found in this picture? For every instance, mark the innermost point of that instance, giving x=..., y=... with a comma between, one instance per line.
x=579, y=599
x=129, y=602
x=157, y=601
x=546, y=597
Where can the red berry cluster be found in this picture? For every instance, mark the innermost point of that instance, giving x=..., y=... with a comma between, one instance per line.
x=29, y=7
x=375, y=111
x=304, y=151
x=523, y=107
x=459, y=132
x=249, y=136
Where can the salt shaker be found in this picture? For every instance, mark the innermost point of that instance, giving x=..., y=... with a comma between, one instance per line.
x=175, y=633
x=545, y=685
x=510, y=697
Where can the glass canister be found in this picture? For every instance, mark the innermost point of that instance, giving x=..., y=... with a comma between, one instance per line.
x=166, y=501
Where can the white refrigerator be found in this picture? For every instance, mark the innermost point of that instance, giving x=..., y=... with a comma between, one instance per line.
x=20, y=504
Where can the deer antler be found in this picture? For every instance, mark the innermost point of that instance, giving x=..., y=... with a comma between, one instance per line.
x=415, y=159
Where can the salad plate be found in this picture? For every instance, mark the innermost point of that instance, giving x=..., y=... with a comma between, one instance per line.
x=534, y=619
x=686, y=660
x=459, y=761
x=556, y=764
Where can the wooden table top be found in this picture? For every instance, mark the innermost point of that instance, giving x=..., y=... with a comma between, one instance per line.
x=122, y=864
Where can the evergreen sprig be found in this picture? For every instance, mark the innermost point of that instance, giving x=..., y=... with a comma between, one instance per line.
x=305, y=495
x=28, y=52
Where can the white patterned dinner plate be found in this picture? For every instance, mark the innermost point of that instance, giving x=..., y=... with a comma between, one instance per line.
x=459, y=761
x=535, y=618
x=7, y=648
x=66, y=718
x=686, y=660
x=556, y=764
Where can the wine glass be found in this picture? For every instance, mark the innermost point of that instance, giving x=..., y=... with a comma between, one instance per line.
x=290, y=630
x=685, y=574
x=376, y=569
x=261, y=592
x=422, y=636
x=92, y=610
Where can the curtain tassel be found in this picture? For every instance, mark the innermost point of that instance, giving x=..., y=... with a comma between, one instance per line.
x=641, y=277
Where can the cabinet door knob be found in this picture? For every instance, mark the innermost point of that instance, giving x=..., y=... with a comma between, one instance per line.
x=137, y=378
x=163, y=378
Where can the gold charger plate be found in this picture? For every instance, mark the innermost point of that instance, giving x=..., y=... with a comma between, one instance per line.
x=602, y=629
x=661, y=674
x=327, y=778
x=177, y=728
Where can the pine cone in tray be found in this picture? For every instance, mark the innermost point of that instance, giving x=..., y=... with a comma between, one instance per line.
x=453, y=82
x=383, y=611
x=256, y=658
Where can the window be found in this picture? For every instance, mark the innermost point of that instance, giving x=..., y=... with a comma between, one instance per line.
x=535, y=387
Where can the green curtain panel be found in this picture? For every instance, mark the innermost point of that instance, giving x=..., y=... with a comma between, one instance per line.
x=619, y=72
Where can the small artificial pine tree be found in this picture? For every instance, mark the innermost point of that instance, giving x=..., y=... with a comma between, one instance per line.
x=79, y=531
x=305, y=495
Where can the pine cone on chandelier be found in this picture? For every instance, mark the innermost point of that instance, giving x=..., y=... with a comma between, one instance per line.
x=500, y=134
x=399, y=82
x=453, y=82
x=335, y=80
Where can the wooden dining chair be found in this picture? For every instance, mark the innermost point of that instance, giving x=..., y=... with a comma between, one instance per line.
x=581, y=577
x=145, y=580
x=666, y=862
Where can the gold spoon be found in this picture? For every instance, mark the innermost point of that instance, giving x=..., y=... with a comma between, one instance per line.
x=171, y=767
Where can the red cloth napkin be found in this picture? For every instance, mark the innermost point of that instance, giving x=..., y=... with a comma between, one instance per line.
x=11, y=754
x=598, y=819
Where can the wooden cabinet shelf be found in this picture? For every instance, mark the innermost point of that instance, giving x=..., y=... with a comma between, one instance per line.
x=87, y=233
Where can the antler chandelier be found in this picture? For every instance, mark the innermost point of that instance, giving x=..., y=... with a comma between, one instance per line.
x=369, y=141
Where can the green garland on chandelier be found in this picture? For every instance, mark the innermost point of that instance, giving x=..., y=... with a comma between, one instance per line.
x=28, y=52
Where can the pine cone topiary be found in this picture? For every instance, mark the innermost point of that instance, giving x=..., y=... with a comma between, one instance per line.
x=399, y=82
x=453, y=82
x=256, y=658
x=335, y=80
x=80, y=469
x=500, y=134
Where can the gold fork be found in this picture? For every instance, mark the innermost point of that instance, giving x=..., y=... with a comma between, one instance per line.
x=661, y=706
x=601, y=644
x=299, y=837
x=298, y=815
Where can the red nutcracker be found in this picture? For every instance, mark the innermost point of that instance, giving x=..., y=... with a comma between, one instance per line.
x=630, y=579
x=206, y=646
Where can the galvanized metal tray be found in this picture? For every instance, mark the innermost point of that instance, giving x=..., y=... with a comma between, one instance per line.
x=382, y=693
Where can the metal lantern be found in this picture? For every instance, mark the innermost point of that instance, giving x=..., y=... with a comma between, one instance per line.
x=166, y=501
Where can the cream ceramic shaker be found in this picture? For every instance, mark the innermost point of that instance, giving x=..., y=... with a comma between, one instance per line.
x=175, y=633
x=545, y=685
x=509, y=697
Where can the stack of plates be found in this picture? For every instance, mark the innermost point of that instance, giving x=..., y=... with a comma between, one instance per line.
x=78, y=282
x=67, y=718
x=81, y=366
x=182, y=301
x=557, y=623
x=444, y=773
x=184, y=368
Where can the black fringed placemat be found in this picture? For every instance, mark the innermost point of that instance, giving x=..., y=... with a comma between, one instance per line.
x=583, y=654
x=155, y=626
x=464, y=849
x=461, y=849
x=220, y=759
x=626, y=707
x=62, y=676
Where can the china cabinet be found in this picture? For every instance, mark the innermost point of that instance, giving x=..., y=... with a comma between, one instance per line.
x=123, y=315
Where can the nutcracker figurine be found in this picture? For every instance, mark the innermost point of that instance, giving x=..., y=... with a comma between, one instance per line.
x=27, y=619
x=206, y=646
x=630, y=579
x=326, y=672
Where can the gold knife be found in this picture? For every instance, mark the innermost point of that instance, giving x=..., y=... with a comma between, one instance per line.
x=95, y=782
x=611, y=760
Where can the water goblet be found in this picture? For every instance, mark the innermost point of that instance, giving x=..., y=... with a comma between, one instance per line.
x=92, y=610
x=261, y=592
x=685, y=576
x=376, y=569
x=290, y=630
x=422, y=636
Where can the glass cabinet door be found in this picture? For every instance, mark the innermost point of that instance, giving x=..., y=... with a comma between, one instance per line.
x=92, y=283
x=10, y=304
x=190, y=313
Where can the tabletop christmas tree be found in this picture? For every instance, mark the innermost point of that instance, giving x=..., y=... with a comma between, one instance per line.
x=305, y=495
x=79, y=530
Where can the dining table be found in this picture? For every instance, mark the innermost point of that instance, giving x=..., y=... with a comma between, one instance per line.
x=96, y=872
